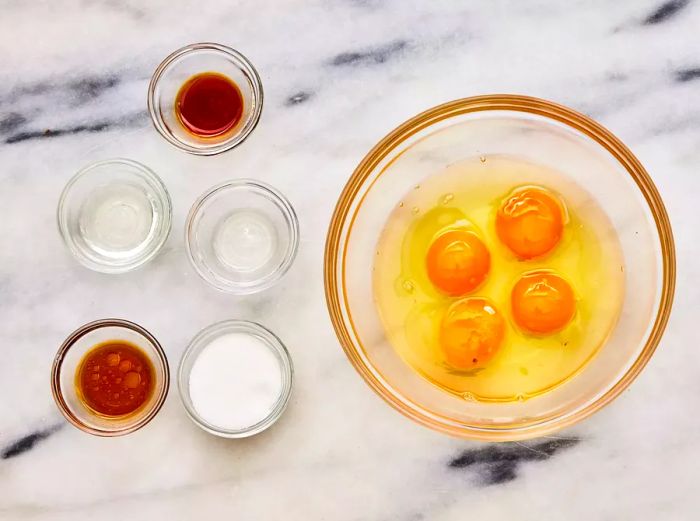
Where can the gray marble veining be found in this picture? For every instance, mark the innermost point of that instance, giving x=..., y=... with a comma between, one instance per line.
x=338, y=75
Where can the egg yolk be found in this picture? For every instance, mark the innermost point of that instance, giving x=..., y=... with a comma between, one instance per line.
x=530, y=222
x=471, y=333
x=457, y=262
x=542, y=302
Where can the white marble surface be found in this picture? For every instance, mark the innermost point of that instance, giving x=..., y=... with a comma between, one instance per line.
x=355, y=70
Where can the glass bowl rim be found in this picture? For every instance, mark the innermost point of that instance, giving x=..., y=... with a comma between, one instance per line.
x=163, y=195
x=337, y=305
x=280, y=201
x=272, y=341
x=242, y=63
x=58, y=363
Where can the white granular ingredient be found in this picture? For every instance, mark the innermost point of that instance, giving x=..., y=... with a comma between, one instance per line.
x=235, y=381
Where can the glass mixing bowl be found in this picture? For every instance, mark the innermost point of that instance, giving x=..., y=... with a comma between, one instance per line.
x=543, y=133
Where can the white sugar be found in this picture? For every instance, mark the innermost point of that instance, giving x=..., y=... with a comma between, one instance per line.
x=235, y=381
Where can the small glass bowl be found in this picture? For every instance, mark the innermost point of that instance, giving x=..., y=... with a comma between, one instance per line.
x=180, y=66
x=114, y=215
x=67, y=362
x=225, y=233
x=202, y=340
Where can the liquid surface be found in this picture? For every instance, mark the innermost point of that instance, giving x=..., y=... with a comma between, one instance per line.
x=117, y=219
x=513, y=335
x=245, y=241
x=115, y=378
x=209, y=104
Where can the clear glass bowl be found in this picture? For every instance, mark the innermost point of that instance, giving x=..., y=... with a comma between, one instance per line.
x=203, y=339
x=67, y=361
x=543, y=133
x=180, y=66
x=242, y=236
x=114, y=215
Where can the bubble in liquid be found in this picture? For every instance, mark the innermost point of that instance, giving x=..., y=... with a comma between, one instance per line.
x=482, y=159
x=401, y=204
x=408, y=286
x=468, y=396
x=416, y=187
x=447, y=198
x=520, y=397
x=415, y=210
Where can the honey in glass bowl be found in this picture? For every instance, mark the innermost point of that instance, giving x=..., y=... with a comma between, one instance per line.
x=110, y=377
x=115, y=378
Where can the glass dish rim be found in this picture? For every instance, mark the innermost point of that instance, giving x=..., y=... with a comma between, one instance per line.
x=235, y=139
x=272, y=341
x=163, y=194
x=58, y=363
x=337, y=307
x=280, y=200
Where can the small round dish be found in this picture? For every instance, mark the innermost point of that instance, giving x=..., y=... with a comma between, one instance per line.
x=67, y=362
x=242, y=236
x=203, y=339
x=180, y=66
x=114, y=215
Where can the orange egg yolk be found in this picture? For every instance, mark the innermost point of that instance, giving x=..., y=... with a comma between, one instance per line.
x=530, y=222
x=457, y=262
x=542, y=302
x=471, y=333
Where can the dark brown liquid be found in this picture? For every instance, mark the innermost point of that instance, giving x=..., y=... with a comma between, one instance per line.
x=209, y=104
x=115, y=378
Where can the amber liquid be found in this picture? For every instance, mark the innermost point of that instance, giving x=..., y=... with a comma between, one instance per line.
x=115, y=378
x=209, y=105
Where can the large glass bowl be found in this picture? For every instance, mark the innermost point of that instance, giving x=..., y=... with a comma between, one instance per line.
x=540, y=132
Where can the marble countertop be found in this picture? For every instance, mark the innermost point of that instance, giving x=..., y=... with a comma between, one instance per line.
x=338, y=75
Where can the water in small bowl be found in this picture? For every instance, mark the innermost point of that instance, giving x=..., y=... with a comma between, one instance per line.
x=114, y=215
x=245, y=241
x=242, y=236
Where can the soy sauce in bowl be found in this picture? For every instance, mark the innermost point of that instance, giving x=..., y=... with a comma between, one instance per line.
x=209, y=104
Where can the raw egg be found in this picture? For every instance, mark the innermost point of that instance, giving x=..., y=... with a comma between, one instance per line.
x=497, y=280
x=542, y=302
x=471, y=332
x=457, y=262
x=530, y=222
